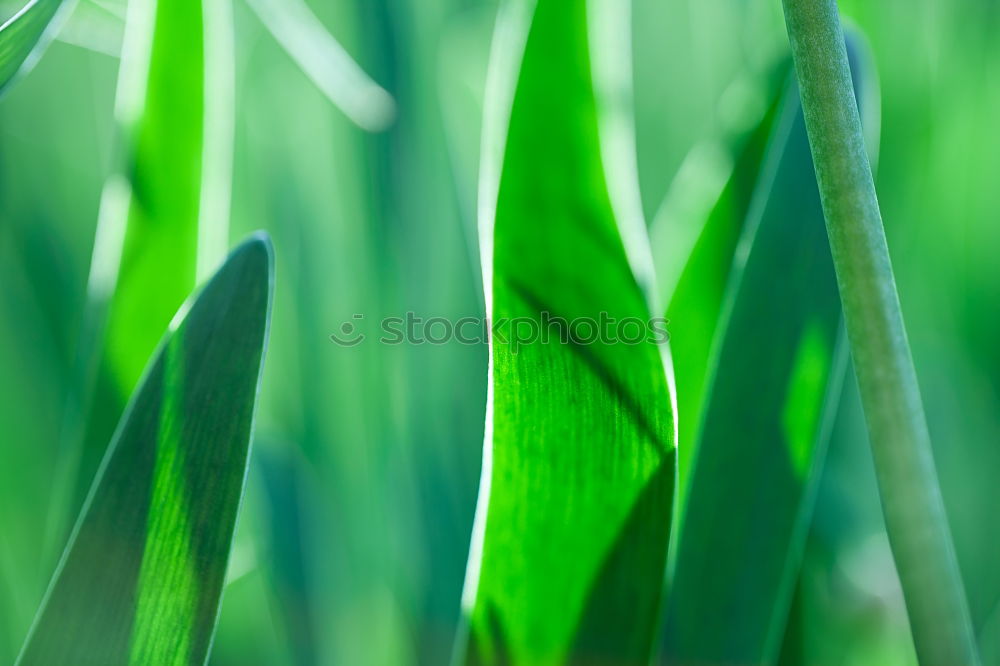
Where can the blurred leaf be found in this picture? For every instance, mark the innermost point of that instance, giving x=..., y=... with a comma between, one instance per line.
x=699, y=67
x=578, y=476
x=154, y=212
x=773, y=383
x=286, y=512
x=51, y=168
x=95, y=26
x=293, y=24
x=25, y=35
x=249, y=630
x=462, y=65
x=141, y=579
x=989, y=637
x=163, y=218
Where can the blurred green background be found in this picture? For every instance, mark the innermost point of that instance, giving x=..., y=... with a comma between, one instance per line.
x=352, y=545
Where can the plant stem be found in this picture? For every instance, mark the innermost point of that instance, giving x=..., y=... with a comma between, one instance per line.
x=911, y=499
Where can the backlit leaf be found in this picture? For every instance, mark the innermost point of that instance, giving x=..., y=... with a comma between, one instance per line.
x=141, y=579
x=579, y=462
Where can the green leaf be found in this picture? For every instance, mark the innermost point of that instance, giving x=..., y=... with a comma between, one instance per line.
x=141, y=579
x=25, y=35
x=163, y=220
x=579, y=461
x=776, y=370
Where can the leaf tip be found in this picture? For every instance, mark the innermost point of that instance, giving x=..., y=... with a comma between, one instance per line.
x=256, y=249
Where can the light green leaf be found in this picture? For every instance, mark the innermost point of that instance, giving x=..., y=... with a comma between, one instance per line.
x=157, y=207
x=141, y=579
x=579, y=462
x=164, y=216
x=25, y=35
x=776, y=371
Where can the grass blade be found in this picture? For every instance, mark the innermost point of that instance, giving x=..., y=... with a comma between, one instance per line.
x=904, y=464
x=24, y=36
x=578, y=476
x=766, y=419
x=293, y=24
x=141, y=579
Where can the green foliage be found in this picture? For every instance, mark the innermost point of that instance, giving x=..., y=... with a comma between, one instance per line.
x=767, y=414
x=579, y=476
x=141, y=579
x=362, y=488
x=163, y=211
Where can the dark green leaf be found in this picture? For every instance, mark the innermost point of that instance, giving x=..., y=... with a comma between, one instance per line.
x=776, y=373
x=579, y=461
x=141, y=579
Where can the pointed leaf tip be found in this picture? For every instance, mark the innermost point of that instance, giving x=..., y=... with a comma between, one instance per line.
x=141, y=579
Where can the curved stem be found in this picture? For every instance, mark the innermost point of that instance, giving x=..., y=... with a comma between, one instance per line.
x=908, y=485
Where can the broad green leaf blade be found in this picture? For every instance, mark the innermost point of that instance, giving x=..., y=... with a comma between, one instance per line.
x=579, y=462
x=141, y=579
x=778, y=367
x=163, y=220
x=25, y=35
